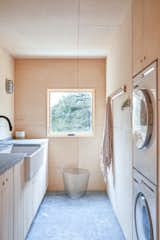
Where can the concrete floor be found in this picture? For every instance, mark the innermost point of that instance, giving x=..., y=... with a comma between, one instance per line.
x=87, y=218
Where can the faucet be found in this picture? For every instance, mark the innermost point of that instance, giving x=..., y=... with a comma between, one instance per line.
x=9, y=122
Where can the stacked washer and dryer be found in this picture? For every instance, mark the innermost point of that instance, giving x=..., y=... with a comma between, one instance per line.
x=145, y=157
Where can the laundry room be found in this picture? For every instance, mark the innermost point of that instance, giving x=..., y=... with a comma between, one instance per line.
x=79, y=120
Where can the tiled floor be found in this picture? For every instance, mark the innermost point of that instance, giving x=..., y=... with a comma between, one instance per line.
x=88, y=218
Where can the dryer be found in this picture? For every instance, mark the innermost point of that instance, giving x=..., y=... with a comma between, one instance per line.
x=144, y=208
x=144, y=123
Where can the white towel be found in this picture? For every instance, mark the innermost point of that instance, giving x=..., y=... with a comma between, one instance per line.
x=106, y=154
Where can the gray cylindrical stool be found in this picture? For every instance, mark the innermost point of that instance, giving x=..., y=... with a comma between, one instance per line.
x=75, y=181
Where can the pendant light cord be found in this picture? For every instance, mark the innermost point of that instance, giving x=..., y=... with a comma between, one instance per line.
x=78, y=36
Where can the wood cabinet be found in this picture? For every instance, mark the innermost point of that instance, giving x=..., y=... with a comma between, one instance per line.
x=28, y=214
x=20, y=198
x=6, y=205
x=40, y=183
x=18, y=214
x=11, y=203
x=151, y=30
x=146, y=33
x=36, y=192
x=137, y=35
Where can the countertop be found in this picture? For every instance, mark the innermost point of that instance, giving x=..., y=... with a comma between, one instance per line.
x=40, y=141
x=8, y=160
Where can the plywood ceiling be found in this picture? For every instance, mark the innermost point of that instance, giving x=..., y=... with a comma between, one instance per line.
x=55, y=28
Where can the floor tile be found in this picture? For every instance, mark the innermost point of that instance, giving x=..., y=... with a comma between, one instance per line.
x=87, y=218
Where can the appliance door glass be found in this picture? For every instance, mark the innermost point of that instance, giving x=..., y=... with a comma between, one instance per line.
x=143, y=221
x=142, y=118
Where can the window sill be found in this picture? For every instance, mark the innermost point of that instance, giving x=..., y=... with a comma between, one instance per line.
x=71, y=136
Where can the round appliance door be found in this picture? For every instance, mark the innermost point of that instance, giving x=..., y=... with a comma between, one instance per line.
x=142, y=217
x=142, y=118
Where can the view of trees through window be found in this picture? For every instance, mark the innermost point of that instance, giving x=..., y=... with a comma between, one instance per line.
x=71, y=112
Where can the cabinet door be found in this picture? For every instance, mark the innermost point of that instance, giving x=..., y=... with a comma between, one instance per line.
x=28, y=213
x=19, y=182
x=40, y=182
x=1, y=206
x=37, y=190
x=137, y=36
x=10, y=194
x=151, y=30
x=6, y=202
x=4, y=234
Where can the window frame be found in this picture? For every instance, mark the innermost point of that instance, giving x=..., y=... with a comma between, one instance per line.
x=50, y=133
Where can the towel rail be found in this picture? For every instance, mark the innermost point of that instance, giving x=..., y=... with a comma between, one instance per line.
x=118, y=92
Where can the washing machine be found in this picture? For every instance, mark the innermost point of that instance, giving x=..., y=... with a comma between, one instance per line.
x=144, y=208
x=144, y=123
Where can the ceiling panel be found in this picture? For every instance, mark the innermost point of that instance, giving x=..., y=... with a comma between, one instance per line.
x=96, y=38
x=50, y=39
x=50, y=27
x=103, y=12
x=56, y=10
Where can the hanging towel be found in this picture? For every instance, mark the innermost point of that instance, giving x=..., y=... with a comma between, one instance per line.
x=106, y=154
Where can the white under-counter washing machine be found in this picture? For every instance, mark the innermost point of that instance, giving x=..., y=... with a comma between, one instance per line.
x=145, y=156
x=144, y=208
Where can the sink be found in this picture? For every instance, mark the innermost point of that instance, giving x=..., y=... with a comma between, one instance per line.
x=28, y=149
x=6, y=148
x=33, y=156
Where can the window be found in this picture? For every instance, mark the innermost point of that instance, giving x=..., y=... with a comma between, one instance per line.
x=70, y=112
